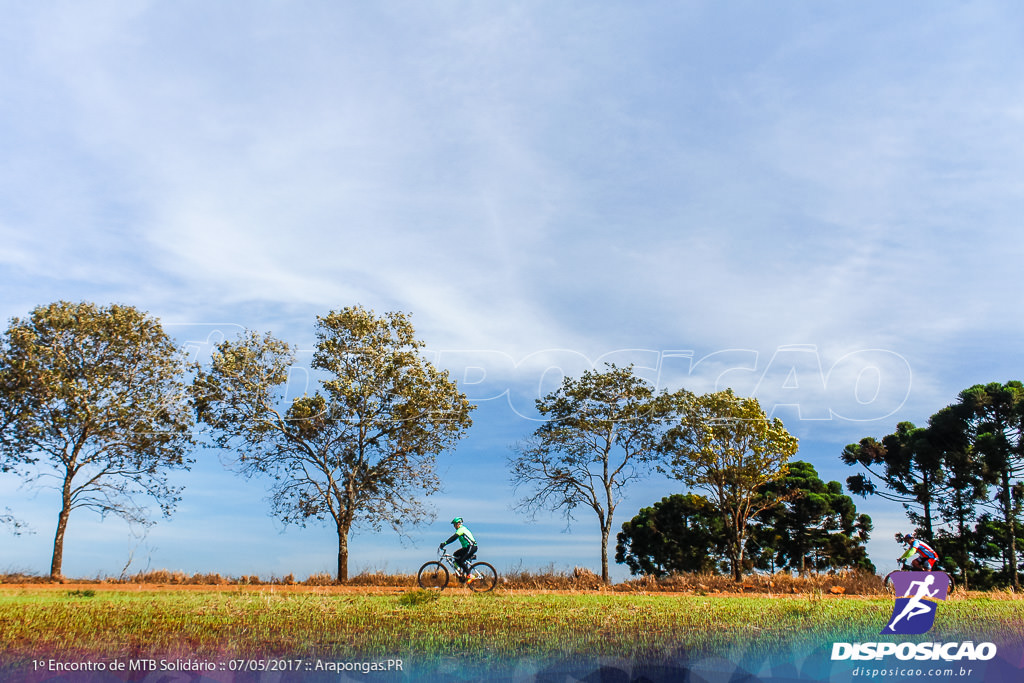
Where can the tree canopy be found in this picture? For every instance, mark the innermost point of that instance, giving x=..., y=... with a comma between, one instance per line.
x=813, y=527
x=904, y=467
x=600, y=433
x=726, y=446
x=992, y=416
x=362, y=449
x=96, y=398
x=960, y=479
x=680, y=533
x=816, y=527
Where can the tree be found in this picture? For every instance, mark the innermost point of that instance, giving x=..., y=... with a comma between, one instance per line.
x=361, y=452
x=817, y=527
x=96, y=398
x=994, y=415
x=942, y=475
x=907, y=465
x=600, y=433
x=726, y=445
x=964, y=487
x=680, y=533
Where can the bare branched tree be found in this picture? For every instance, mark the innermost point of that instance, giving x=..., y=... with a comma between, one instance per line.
x=600, y=434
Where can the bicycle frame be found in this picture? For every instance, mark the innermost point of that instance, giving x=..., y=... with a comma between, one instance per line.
x=449, y=559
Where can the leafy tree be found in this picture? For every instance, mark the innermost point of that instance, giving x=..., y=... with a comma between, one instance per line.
x=727, y=446
x=762, y=548
x=817, y=527
x=680, y=533
x=943, y=474
x=964, y=487
x=600, y=433
x=994, y=415
x=95, y=398
x=908, y=467
x=361, y=452
x=988, y=547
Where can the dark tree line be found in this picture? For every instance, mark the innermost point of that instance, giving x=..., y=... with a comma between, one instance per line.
x=959, y=479
x=810, y=526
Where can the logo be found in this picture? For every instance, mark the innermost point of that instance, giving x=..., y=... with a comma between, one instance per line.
x=917, y=594
x=921, y=652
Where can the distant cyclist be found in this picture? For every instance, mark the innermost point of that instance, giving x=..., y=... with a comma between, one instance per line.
x=464, y=536
x=925, y=558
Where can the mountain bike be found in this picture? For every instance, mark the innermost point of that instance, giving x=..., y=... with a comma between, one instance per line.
x=434, y=575
x=906, y=567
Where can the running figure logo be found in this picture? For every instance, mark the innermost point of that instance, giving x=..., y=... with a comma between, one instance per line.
x=917, y=593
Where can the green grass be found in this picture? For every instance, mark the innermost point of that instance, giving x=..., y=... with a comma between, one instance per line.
x=418, y=597
x=111, y=625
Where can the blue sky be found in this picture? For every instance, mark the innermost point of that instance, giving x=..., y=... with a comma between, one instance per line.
x=815, y=204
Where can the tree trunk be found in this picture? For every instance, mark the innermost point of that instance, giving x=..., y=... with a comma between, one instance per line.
x=604, y=554
x=965, y=557
x=1011, y=528
x=732, y=545
x=58, y=540
x=739, y=534
x=342, y=554
x=736, y=555
x=928, y=509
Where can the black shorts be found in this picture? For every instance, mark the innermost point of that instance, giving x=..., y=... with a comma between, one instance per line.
x=464, y=554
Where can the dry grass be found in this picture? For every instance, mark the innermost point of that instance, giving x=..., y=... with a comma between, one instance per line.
x=550, y=579
x=840, y=583
x=579, y=579
x=23, y=578
x=380, y=579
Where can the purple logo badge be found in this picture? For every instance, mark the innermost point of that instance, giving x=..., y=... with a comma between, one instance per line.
x=917, y=594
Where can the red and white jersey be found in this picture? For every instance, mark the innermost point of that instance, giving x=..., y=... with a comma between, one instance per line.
x=924, y=549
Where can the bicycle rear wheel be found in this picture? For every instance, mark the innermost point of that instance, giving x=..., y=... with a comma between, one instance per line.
x=433, y=576
x=484, y=577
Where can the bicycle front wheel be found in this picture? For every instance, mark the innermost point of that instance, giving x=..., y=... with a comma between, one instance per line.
x=433, y=576
x=484, y=577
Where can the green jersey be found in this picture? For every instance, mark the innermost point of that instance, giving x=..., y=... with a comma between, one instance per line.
x=463, y=535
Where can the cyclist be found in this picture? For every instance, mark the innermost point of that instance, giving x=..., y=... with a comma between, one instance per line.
x=464, y=536
x=925, y=558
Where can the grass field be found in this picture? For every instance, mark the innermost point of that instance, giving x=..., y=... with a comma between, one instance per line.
x=82, y=623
